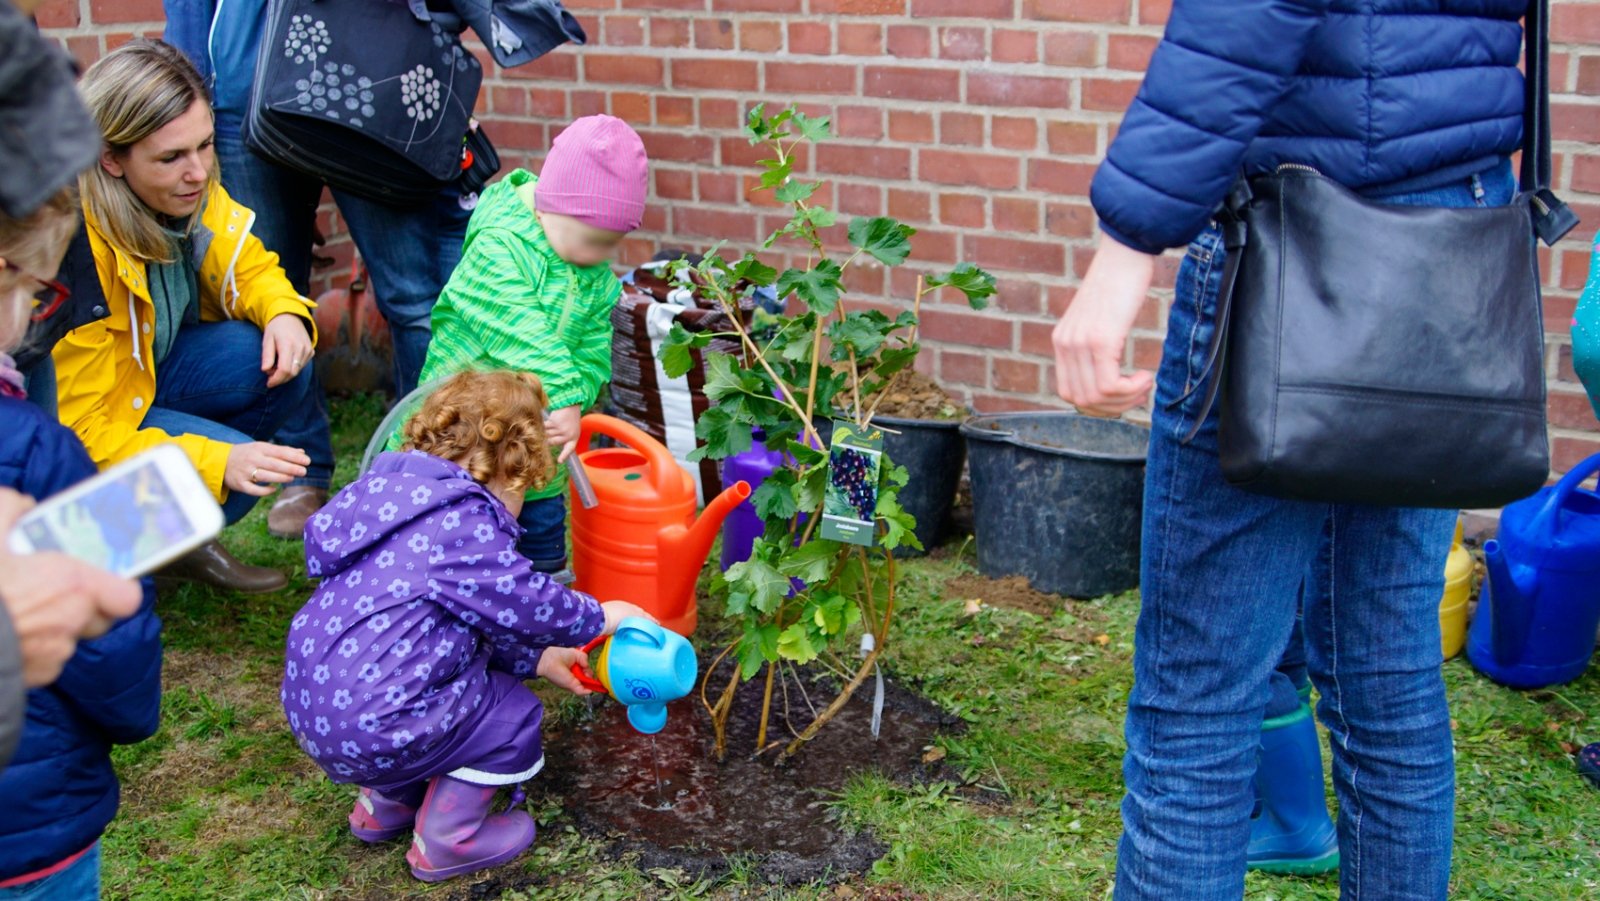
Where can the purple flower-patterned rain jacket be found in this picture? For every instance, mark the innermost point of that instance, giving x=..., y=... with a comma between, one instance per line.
x=408, y=660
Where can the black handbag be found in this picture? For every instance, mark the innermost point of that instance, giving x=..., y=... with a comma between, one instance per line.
x=372, y=96
x=1386, y=355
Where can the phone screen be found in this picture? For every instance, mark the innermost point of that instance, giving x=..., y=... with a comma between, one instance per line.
x=117, y=526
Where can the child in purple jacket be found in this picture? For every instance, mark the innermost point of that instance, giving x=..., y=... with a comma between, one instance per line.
x=405, y=670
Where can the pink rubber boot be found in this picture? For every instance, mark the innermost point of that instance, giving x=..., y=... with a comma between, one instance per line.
x=456, y=834
x=379, y=817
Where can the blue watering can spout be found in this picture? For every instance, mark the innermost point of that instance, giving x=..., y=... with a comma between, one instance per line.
x=1512, y=590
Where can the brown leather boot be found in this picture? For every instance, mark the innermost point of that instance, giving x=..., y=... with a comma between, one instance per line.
x=297, y=503
x=211, y=564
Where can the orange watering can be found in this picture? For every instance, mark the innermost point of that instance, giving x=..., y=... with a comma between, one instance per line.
x=641, y=542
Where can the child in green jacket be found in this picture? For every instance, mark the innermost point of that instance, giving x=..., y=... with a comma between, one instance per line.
x=534, y=291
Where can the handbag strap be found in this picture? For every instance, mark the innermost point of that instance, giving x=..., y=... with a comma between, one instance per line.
x=1552, y=218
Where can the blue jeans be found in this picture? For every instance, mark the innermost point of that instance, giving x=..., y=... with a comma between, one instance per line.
x=211, y=384
x=79, y=882
x=410, y=253
x=544, y=533
x=1220, y=573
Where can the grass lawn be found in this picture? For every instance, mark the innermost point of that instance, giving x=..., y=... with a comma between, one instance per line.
x=221, y=804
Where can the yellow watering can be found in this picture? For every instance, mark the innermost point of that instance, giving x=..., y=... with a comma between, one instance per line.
x=1457, y=589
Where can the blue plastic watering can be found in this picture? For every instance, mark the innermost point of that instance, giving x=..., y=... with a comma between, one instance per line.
x=645, y=667
x=1536, y=623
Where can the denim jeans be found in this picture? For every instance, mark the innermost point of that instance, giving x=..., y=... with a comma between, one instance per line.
x=409, y=253
x=211, y=384
x=79, y=882
x=1220, y=573
x=544, y=533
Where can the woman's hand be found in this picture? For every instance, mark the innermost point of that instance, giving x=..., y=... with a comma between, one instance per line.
x=54, y=600
x=285, y=348
x=617, y=611
x=561, y=428
x=1092, y=334
x=258, y=468
x=555, y=664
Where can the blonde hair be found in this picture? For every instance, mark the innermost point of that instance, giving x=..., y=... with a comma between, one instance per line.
x=491, y=423
x=41, y=235
x=132, y=92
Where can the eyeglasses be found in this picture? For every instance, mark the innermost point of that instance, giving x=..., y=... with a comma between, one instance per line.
x=48, y=299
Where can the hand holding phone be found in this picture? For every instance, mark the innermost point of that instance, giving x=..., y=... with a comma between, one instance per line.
x=53, y=601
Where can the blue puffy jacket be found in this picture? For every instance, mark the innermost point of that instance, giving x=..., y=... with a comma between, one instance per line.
x=59, y=791
x=1382, y=96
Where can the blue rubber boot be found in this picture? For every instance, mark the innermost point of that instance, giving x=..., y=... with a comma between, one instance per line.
x=1290, y=830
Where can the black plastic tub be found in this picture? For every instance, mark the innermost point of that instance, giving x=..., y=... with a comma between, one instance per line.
x=1057, y=498
x=933, y=453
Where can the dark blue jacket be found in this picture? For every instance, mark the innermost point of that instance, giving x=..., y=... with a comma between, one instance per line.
x=1383, y=96
x=59, y=791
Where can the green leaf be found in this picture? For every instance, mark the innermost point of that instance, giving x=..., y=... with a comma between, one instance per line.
x=794, y=643
x=819, y=286
x=757, y=646
x=833, y=613
x=775, y=498
x=796, y=191
x=899, y=525
x=865, y=331
x=722, y=434
x=777, y=173
x=756, y=127
x=820, y=216
x=753, y=271
x=755, y=584
x=888, y=241
x=805, y=454
x=894, y=475
x=676, y=360
x=895, y=359
x=809, y=491
x=812, y=129
x=810, y=562
x=725, y=378
x=975, y=283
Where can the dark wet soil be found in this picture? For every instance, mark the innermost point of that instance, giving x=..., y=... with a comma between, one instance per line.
x=778, y=817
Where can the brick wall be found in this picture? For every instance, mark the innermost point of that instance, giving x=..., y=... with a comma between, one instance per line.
x=978, y=121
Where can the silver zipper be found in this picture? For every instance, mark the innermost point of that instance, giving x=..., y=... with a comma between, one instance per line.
x=1299, y=167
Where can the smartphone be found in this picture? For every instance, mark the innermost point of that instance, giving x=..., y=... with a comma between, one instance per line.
x=131, y=519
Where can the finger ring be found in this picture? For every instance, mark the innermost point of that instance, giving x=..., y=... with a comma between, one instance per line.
x=253, y=472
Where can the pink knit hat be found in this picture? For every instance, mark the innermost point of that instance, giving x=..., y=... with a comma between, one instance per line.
x=596, y=172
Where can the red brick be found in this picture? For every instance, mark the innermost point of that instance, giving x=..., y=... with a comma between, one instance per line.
x=1013, y=133
x=812, y=38
x=963, y=43
x=1564, y=371
x=1558, y=309
x=1072, y=138
x=674, y=184
x=607, y=69
x=961, y=210
x=860, y=200
x=859, y=7
x=719, y=74
x=588, y=103
x=720, y=225
x=58, y=14
x=961, y=128
x=1035, y=339
x=863, y=278
x=1154, y=12
x=1039, y=257
x=965, y=9
x=697, y=5
x=1007, y=403
x=960, y=327
x=1016, y=214
x=864, y=122
x=672, y=110
x=1574, y=269
x=509, y=101
x=754, y=194
x=1074, y=48
x=904, y=83
x=1017, y=376
x=910, y=206
x=909, y=41
x=555, y=66
x=547, y=102
x=963, y=368
x=1574, y=23
x=624, y=31
x=719, y=113
x=1012, y=46
x=1574, y=122
x=1589, y=75
x=760, y=36
x=118, y=39
x=930, y=246
x=666, y=32
x=512, y=133
x=749, y=6
x=592, y=4
x=810, y=78
x=1015, y=295
x=713, y=34
x=1146, y=353
x=874, y=162
x=988, y=89
x=1571, y=410
x=1069, y=220
x=1130, y=52
x=739, y=152
x=860, y=39
x=1113, y=11
x=630, y=107
x=107, y=12
x=1113, y=95
x=912, y=128
x=1566, y=453
x=980, y=170
x=718, y=187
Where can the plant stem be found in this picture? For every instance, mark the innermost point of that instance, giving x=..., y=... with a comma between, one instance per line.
x=833, y=708
x=766, y=709
x=916, y=310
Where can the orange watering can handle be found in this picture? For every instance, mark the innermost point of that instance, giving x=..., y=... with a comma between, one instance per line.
x=582, y=675
x=664, y=470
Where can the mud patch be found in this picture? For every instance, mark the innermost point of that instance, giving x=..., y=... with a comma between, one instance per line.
x=1012, y=591
x=776, y=818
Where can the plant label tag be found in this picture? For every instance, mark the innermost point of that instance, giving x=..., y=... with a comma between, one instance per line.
x=855, y=460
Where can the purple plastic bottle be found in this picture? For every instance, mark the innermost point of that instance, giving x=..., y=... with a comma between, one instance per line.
x=742, y=527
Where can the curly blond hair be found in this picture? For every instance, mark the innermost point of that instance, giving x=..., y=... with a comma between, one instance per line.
x=491, y=424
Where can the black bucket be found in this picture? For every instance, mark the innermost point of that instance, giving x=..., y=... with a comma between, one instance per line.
x=933, y=452
x=1057, y=498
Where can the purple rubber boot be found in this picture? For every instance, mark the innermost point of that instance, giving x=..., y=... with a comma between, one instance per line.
x=378, y=817
x=456, y=834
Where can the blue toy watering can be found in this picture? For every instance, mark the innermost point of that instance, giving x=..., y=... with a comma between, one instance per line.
x=1536, y=623
x=645, y=667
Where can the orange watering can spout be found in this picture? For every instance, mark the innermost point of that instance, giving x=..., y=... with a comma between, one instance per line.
x=684, y=550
